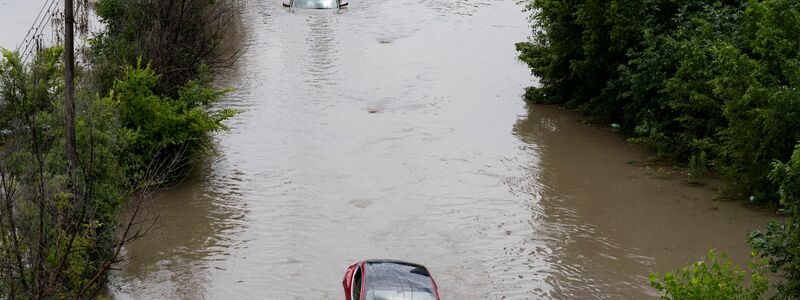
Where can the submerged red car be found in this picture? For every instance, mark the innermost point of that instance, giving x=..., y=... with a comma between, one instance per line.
x=388, y=280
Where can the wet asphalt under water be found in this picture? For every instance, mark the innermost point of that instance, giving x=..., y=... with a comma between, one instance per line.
x=396, y=129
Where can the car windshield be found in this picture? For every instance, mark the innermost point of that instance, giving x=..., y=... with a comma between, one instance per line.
x=397, y=281
x=315, y=3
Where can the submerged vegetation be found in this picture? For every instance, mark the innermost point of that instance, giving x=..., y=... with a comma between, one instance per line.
x=145, y=114
x=714, y=85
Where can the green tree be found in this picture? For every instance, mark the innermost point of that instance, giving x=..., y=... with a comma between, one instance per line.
x=759, y=76
x=58, y=229
x=714, y=84
x=552, y=51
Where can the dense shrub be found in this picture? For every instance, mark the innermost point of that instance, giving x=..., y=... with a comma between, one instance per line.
x=712, y=278
x=167, y=104
x=176, y=37
x=711, y=84
x=714, y=85
x=759, y=76
x=780, y=241
x=168, y=134
x=668, y=102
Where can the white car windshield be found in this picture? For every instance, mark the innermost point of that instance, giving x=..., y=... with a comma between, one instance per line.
x=317, y=4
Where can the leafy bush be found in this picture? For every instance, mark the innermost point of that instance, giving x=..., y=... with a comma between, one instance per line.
x=167, y=105
x=715, y=277
x=780, y=241
x=668, y=103
x=711, y=84
x=167, y=134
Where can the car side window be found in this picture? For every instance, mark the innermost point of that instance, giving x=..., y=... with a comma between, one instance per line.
x=356, y=292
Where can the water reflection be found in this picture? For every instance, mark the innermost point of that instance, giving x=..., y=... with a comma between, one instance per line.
x=321, y=42
x=603, y=225
x=196, y=224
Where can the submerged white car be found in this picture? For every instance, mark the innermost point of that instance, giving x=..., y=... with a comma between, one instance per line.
x=315, y=4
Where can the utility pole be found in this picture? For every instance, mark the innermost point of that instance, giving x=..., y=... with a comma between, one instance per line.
x=69, y=76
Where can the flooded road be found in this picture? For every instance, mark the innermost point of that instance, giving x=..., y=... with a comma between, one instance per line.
x=396, y=129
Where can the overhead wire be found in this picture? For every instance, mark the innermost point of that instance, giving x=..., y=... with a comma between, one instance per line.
x=30, y=46
x=34, y=23
x=36, y=27
x=33, y=43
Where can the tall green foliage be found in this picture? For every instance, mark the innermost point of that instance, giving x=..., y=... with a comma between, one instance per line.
x=715, y=85
x=555, y=47
x=691, y=79
x=759, y=77
x=58, y=224
x=669, y=104
x=176, y=37
x=168, y=135
x=167, y=105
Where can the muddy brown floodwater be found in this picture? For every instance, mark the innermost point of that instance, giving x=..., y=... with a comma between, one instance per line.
x=396, y=129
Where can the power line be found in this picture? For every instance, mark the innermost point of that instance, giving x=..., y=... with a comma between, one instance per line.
x=34, y=23
x=34, y=36
x=37, y=22
x=40, y=26
x=27, y=50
